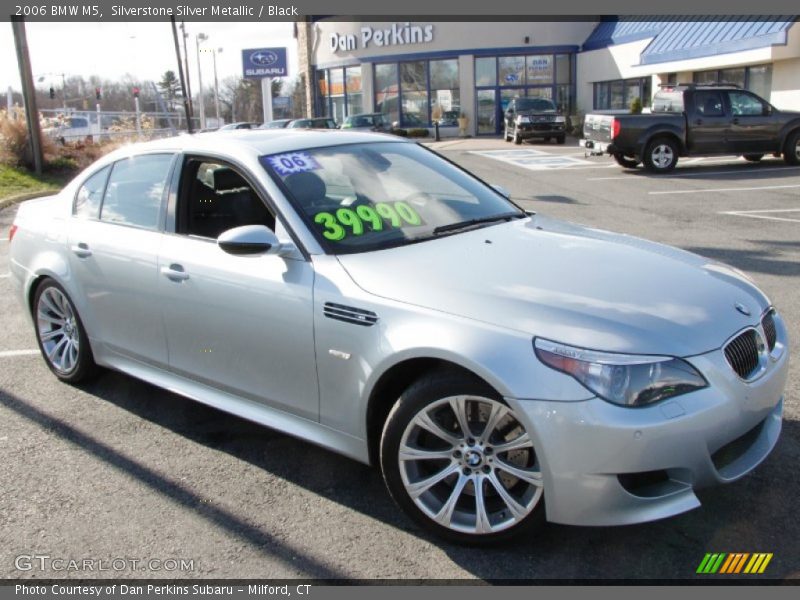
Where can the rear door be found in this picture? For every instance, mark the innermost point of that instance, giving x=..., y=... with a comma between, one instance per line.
x=242, y=324
x=114, y=246
x=708, y=121
x=752, y=127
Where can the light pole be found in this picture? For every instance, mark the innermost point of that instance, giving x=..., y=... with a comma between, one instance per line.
x=186, y=67
x=200, y=37
x=213, y=52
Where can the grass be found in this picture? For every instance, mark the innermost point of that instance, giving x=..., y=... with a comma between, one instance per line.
x=15, y=181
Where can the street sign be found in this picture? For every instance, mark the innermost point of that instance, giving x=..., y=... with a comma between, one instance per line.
x=258, y=63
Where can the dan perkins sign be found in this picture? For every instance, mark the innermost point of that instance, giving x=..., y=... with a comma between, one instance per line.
x=258, y=63
x=398, y=34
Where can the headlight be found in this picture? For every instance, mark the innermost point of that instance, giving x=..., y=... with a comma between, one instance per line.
x=624, y=379
x=523, y=119
x=561, y=119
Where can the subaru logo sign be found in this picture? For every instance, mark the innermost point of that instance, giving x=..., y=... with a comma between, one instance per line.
x=263, y=58
x=258, y=63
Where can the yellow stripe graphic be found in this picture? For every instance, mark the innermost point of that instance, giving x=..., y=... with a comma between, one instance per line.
x=749, y=567
x=765, y=563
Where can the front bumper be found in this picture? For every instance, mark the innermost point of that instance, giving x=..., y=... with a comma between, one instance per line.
x=540, y=130
x=608, y=465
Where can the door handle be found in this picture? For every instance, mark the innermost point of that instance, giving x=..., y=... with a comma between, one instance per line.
x=174, y=272
x=81, y=250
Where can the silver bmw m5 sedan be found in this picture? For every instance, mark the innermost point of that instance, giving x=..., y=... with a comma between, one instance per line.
x=360, y=292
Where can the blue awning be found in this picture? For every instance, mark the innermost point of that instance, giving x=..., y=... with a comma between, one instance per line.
x=693, y=37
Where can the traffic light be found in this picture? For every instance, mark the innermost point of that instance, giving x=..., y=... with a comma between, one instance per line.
x=98, y=93
x=52, y=92
x=136, y=92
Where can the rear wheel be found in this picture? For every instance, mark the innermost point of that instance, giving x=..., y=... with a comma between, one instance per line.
x=753, y=157
x=626, y=161
x=661, y=155
x=457, y=459
x=791, y=151
x=61, y=335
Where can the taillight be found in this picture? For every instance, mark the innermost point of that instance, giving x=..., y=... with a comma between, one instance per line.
x=616, y=127
x=11, y=233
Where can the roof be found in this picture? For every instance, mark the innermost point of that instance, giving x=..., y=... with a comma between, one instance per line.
x=682, y=38
x=256, y=141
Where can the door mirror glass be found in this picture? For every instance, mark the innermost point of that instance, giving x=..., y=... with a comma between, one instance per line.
x=249, y=240
x=767, y=110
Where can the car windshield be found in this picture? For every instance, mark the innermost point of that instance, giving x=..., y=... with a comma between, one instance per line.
x=363, y=197
x=535, y=104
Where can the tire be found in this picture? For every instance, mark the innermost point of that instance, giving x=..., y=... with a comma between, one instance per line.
x=425, y=419
x=561, y=139
x=517, y=138
x=753, y=157
x=506, y=137
x=661, y=155
x=67, y=353
x=547, y=140
x=625, y=162
x=791, y=151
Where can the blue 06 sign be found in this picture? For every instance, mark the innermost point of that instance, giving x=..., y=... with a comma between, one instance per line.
x=258, y=63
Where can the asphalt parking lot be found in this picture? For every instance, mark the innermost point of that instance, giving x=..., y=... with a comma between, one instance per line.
x=118, y=468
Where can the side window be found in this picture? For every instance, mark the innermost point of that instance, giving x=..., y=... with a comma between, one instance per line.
x=215, y=197
x=135, y=189
x=745, y=105
x=709, y=104
x=90, y=195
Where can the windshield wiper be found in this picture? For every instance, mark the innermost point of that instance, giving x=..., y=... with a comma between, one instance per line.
x=478, y=221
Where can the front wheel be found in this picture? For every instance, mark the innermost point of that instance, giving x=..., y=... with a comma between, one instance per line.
x=517, y=136
x=506, y=136
x=791, y=152
x=60, y=333
x=561, y=139
x=661, y=155
x=458, y=460
x=625, y=161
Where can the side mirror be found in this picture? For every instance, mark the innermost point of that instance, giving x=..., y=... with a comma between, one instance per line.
x=510, y=111
x=501, y=190
x=767, y=110
x=249, y=240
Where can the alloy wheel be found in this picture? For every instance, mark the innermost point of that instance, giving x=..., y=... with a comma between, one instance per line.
x=58, y=329
x=662, y=156
x=469, y=465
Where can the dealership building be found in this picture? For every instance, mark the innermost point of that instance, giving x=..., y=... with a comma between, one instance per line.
x=419, y=72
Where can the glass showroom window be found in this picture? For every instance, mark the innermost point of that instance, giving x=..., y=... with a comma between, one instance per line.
x=539, y=69
x=486, y=72
x=387, y=92
x=618, y=95
x=511, y=70
x=757, y=79
x=445, y=93
x=336, y=94
x=322, y=94
x=355, y=96
x=414, y=90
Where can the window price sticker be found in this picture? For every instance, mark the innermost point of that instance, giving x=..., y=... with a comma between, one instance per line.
x=292, y=162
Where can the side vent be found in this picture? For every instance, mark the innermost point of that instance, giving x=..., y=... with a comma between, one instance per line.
x=348, y=314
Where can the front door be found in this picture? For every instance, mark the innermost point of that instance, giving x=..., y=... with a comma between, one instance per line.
x=752, y=127
x=242, y=324
x=709, y=124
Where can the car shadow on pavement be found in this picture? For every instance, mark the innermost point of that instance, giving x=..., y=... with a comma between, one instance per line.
x=767, y=261
x=756, y=514
x=767, y=169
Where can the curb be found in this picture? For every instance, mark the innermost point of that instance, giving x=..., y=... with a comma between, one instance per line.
x=11, y=200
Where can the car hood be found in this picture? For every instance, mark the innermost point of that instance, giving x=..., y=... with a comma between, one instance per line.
x=568, y=283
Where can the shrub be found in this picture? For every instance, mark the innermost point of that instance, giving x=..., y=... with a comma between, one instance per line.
x=636, y=106
x=400, y=132
x=419, y=132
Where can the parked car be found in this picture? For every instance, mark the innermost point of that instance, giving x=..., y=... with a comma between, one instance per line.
x=362, y=293
x=366, y=122
x=240, y=125
x=317, y=123
x=695, y=120
x=71, y=129
x=277, y=124
x=529, y=118
x=449, y=118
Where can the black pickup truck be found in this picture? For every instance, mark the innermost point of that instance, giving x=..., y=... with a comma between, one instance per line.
x=695, y=120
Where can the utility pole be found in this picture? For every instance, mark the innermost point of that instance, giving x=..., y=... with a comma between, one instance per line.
x=186, y=97
x=216, y=88
x=28, y=93
x=188, y=89
x=200, y=37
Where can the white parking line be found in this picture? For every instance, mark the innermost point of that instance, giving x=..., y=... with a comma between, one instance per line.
x=759, y=214
x=739, y=189
x=4, y=275
x=699, y=174
x=10, y=353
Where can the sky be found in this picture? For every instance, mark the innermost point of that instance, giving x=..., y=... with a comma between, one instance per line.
x=145, y=50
